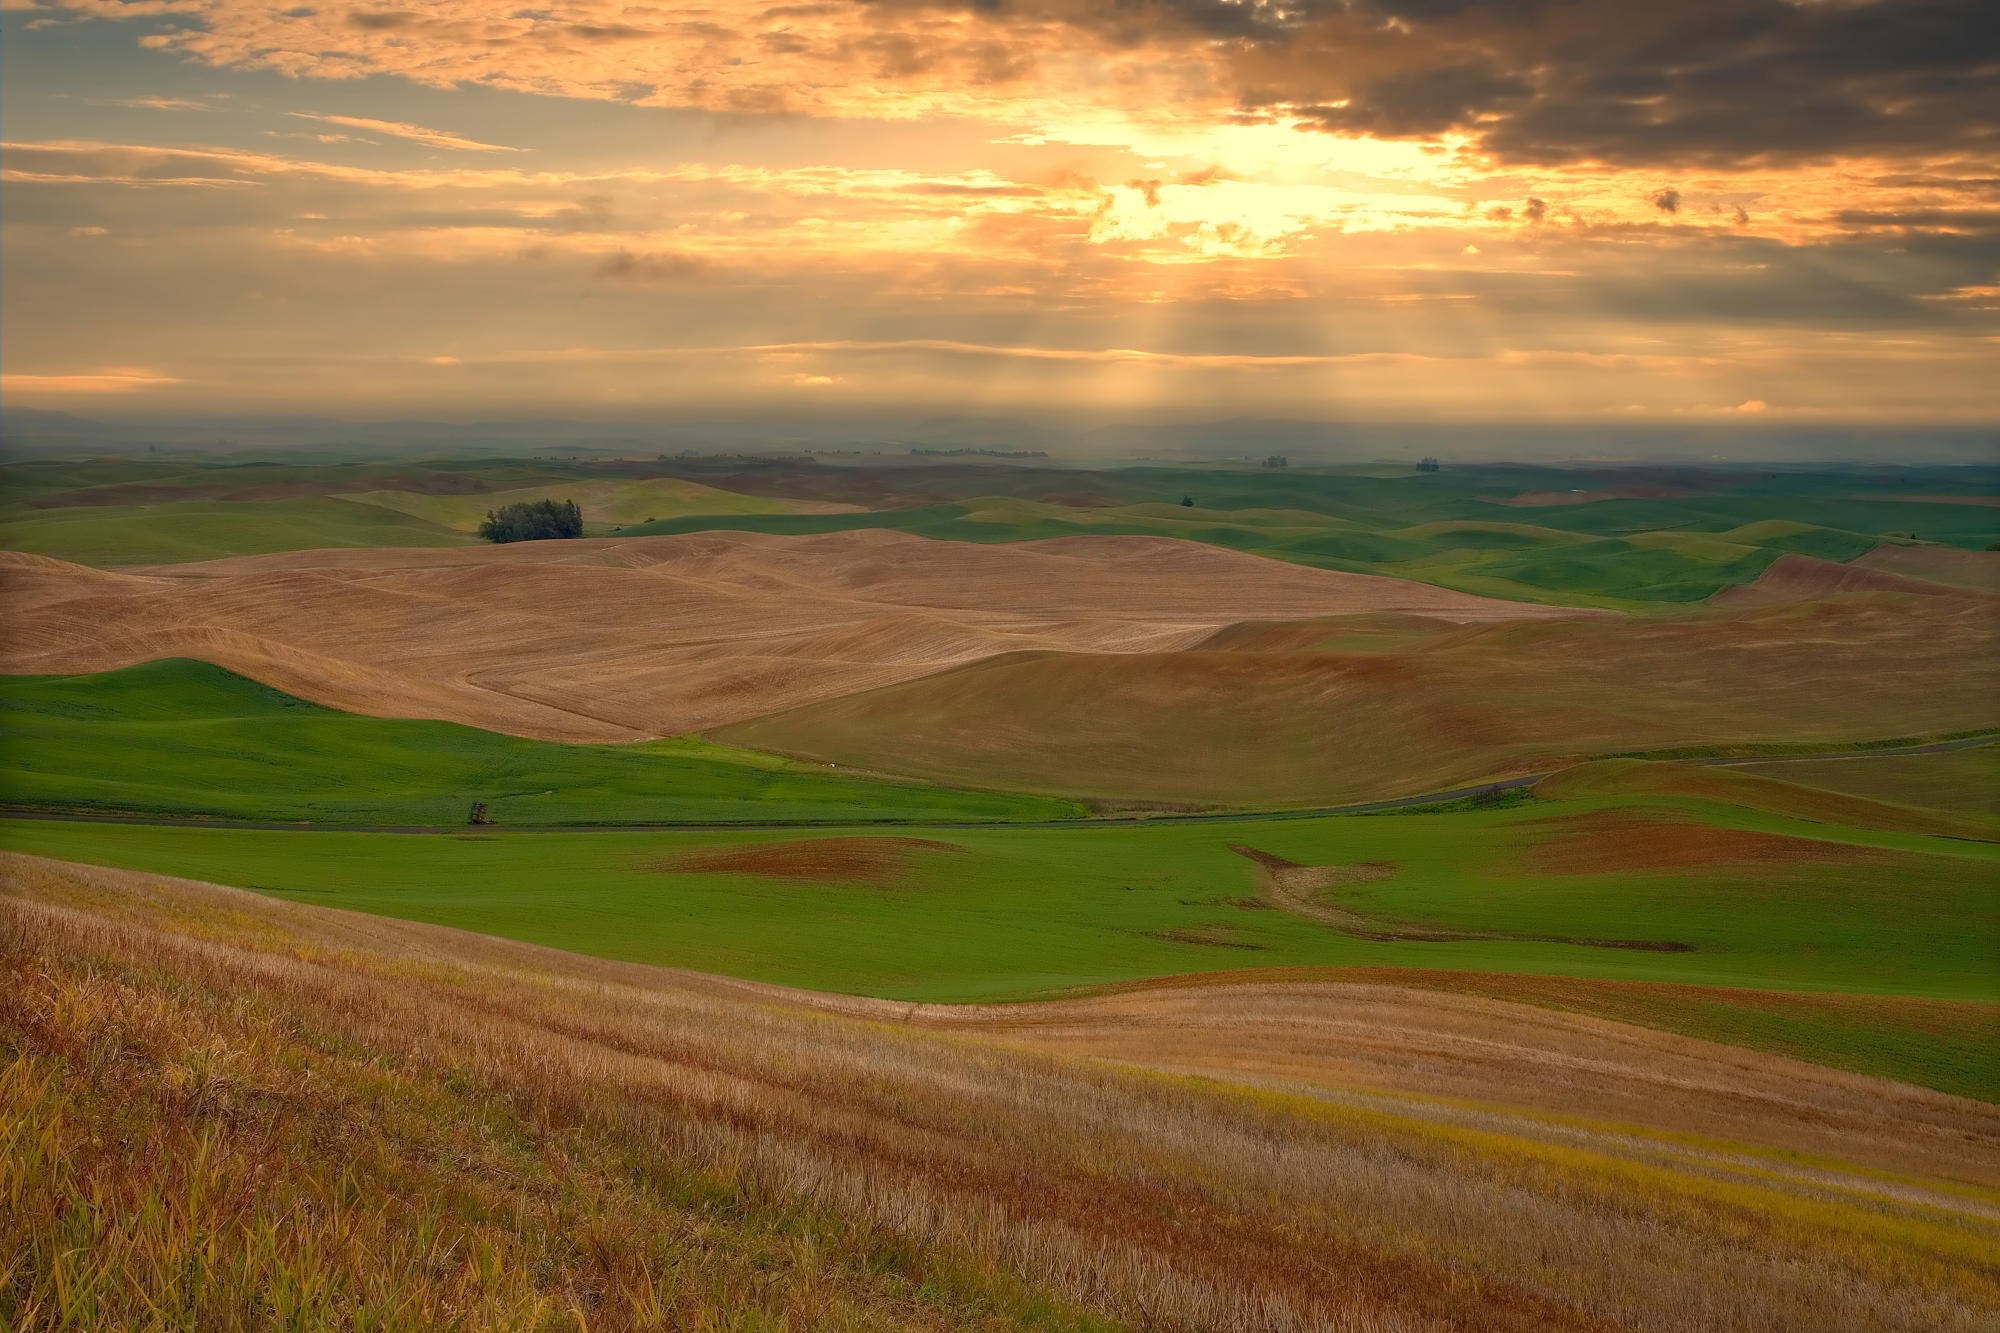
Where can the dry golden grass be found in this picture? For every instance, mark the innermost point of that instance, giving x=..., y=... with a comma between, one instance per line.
x=1299, y=726
x=625, y=638
x=223, y=1112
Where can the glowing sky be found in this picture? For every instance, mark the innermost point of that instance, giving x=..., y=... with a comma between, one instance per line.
x=1711, y=210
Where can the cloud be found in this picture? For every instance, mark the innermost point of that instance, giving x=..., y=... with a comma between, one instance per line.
x=402, y=130
x=159, y=103
x=84, y=383
x=625, y=266
x=1667, y=200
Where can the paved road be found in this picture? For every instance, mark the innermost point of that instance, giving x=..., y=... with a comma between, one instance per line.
x=1114, y=821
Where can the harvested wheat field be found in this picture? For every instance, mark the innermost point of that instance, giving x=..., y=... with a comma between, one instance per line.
x=1262, y=719
x=213, y=1119
x=1939, y=564
x=625, y=639
x=1800, y=578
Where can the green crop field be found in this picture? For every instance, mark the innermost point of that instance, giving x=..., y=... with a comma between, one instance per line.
x=1724, y=895
x=184, y=530
x=1447, y=528
x=186, y=738
x=605, y=504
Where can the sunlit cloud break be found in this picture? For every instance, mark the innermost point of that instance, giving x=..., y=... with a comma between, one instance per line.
x=1746, y=202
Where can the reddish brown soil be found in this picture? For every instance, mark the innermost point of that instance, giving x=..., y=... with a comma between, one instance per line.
x=1939, y=564
x=877, y=861
x=1606, y=841
x=1802, y=578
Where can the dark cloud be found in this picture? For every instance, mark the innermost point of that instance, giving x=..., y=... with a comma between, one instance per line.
x=626, y=266
x=380, y=20
x=1535, y=210
x=1667, y=200
x=1712, y=82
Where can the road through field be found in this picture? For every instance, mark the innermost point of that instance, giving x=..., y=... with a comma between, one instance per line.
x=1475, y=791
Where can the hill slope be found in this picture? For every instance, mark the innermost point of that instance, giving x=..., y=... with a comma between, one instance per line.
x=185, y=738
x=213, y=1116
x=626, y=639
x=1308, y=727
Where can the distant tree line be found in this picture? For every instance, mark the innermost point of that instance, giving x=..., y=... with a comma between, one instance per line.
x=532, y=521
x=980, y=453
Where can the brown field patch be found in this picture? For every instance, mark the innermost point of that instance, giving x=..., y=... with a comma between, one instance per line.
x=1477, y=702
x=1979, y=570
x=879, y=861
x=1802, y=578
x=1602, y=842
x=1214, y=937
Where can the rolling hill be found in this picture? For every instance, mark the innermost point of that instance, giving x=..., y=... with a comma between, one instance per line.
x=629, y=639
x=1216, y=723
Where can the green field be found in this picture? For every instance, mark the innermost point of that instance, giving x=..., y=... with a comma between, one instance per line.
x=1012, y=913
x=187, y=738
x=1449, y=528
x=184, y=530
x=112, y=512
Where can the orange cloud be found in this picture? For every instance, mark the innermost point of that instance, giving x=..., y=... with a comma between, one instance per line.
x=85, y=383
x=415, y=133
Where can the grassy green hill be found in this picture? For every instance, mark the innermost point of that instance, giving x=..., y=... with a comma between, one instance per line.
x=188, y=738
x=178, y=531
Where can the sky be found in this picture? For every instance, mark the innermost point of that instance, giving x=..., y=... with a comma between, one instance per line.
x=1741, y=212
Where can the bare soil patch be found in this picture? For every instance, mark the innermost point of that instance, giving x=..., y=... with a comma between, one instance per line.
x=1605, y=842
x=1214, y=937
x=877, y=861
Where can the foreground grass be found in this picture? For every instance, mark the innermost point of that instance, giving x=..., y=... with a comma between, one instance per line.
x=227, y=1112
x=1943, y=1044
x=187, y=738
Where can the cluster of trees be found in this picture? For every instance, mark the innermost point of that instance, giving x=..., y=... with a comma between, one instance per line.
x=1277, y=460
x=532, y=521
x=1427, y=465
